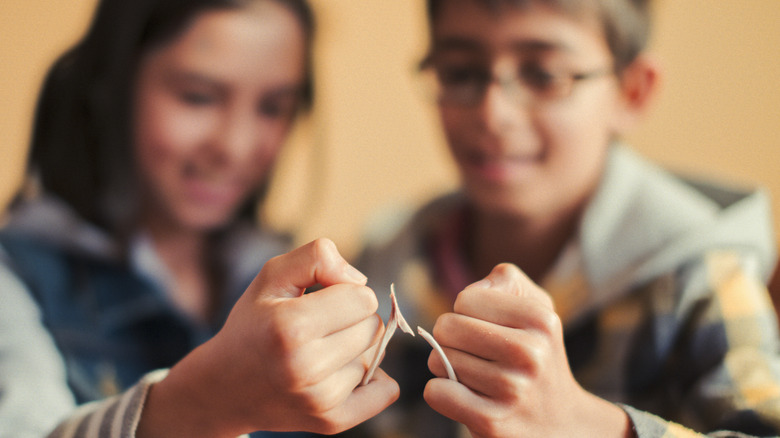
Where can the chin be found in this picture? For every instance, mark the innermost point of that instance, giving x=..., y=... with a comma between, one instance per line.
x=500, y=202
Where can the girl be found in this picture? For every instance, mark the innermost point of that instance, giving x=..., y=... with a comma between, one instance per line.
x=154, y=139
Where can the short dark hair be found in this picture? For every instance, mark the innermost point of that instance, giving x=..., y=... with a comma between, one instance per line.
x=626, y=23
x=81, y=147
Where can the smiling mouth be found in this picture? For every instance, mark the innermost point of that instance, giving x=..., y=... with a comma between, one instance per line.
x=501, y=168
x=211, y=187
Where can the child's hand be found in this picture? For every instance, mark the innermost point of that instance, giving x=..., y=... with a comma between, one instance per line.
x=505, y=343
x=287, y=361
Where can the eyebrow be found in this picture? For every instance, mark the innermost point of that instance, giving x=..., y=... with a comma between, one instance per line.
x=460, y=44
x=192, y=75
x=174, y=77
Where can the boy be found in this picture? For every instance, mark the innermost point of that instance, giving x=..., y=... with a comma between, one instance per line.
x=649, y=317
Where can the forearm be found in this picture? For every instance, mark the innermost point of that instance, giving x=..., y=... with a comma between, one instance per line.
x=182, y=404
x=116, y=417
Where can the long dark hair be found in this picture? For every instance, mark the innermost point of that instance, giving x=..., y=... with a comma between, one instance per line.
x=82, y=138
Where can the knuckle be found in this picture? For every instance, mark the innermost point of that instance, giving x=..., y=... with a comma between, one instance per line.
x=308, y=400
x=287, y=331
x=511, y=278
x=535, y=357
x=323, y=248
x=295, y=374
x=328, y=424
x=464, y=299
x=328, y=401
x=512, y=387
x=277, y=335
x=286, y=376
x=548, y=301
x=367, y=299
x=519, y=352
x=509, y=272
x=272, y=263
x=445, y=323
x=307, y=404
x=550, y=323
x=319, y=401
x=486, y=423
x=507, y=269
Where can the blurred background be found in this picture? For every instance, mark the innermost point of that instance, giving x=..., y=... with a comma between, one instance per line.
x=373, y=144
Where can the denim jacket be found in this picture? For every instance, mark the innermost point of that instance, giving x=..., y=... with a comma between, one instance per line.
x=107, y=314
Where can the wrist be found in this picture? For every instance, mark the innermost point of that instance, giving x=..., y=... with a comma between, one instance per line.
x=183, y=404
x=606, y=419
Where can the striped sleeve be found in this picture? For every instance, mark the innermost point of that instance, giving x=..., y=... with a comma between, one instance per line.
x=115, y=417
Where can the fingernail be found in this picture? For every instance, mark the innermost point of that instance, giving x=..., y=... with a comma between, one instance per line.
x=354, y=274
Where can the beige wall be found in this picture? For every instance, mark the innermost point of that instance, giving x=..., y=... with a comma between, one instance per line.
x=372, y=141
x=33, y=33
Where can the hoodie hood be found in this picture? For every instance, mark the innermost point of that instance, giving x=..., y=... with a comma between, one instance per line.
x=645, y=221
x=244, y=248
x=48, y=219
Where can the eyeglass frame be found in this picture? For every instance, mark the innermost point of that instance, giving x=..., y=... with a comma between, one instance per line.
x=514, y=83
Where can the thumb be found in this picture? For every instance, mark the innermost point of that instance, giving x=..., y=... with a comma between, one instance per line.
x=317, y=262
x=511, y=279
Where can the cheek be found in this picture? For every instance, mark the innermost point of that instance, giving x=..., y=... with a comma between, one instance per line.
x=580, y=133
x=270, y=140
x=257, y=168
x=165, y=135
x=163, y=129
x=456, y=125
x=577, y=141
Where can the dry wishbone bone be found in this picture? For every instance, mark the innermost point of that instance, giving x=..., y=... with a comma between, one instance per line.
x=396, y=320
x=428, y=337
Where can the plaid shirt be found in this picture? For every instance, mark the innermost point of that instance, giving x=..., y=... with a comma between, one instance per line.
x=661, y=296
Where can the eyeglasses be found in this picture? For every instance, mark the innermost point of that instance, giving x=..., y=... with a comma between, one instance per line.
x=465, y=85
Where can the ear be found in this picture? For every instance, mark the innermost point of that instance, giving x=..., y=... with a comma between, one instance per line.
x=638, y=83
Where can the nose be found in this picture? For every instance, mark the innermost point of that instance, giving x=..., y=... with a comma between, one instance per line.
x=237, y=137
x=501, y=109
